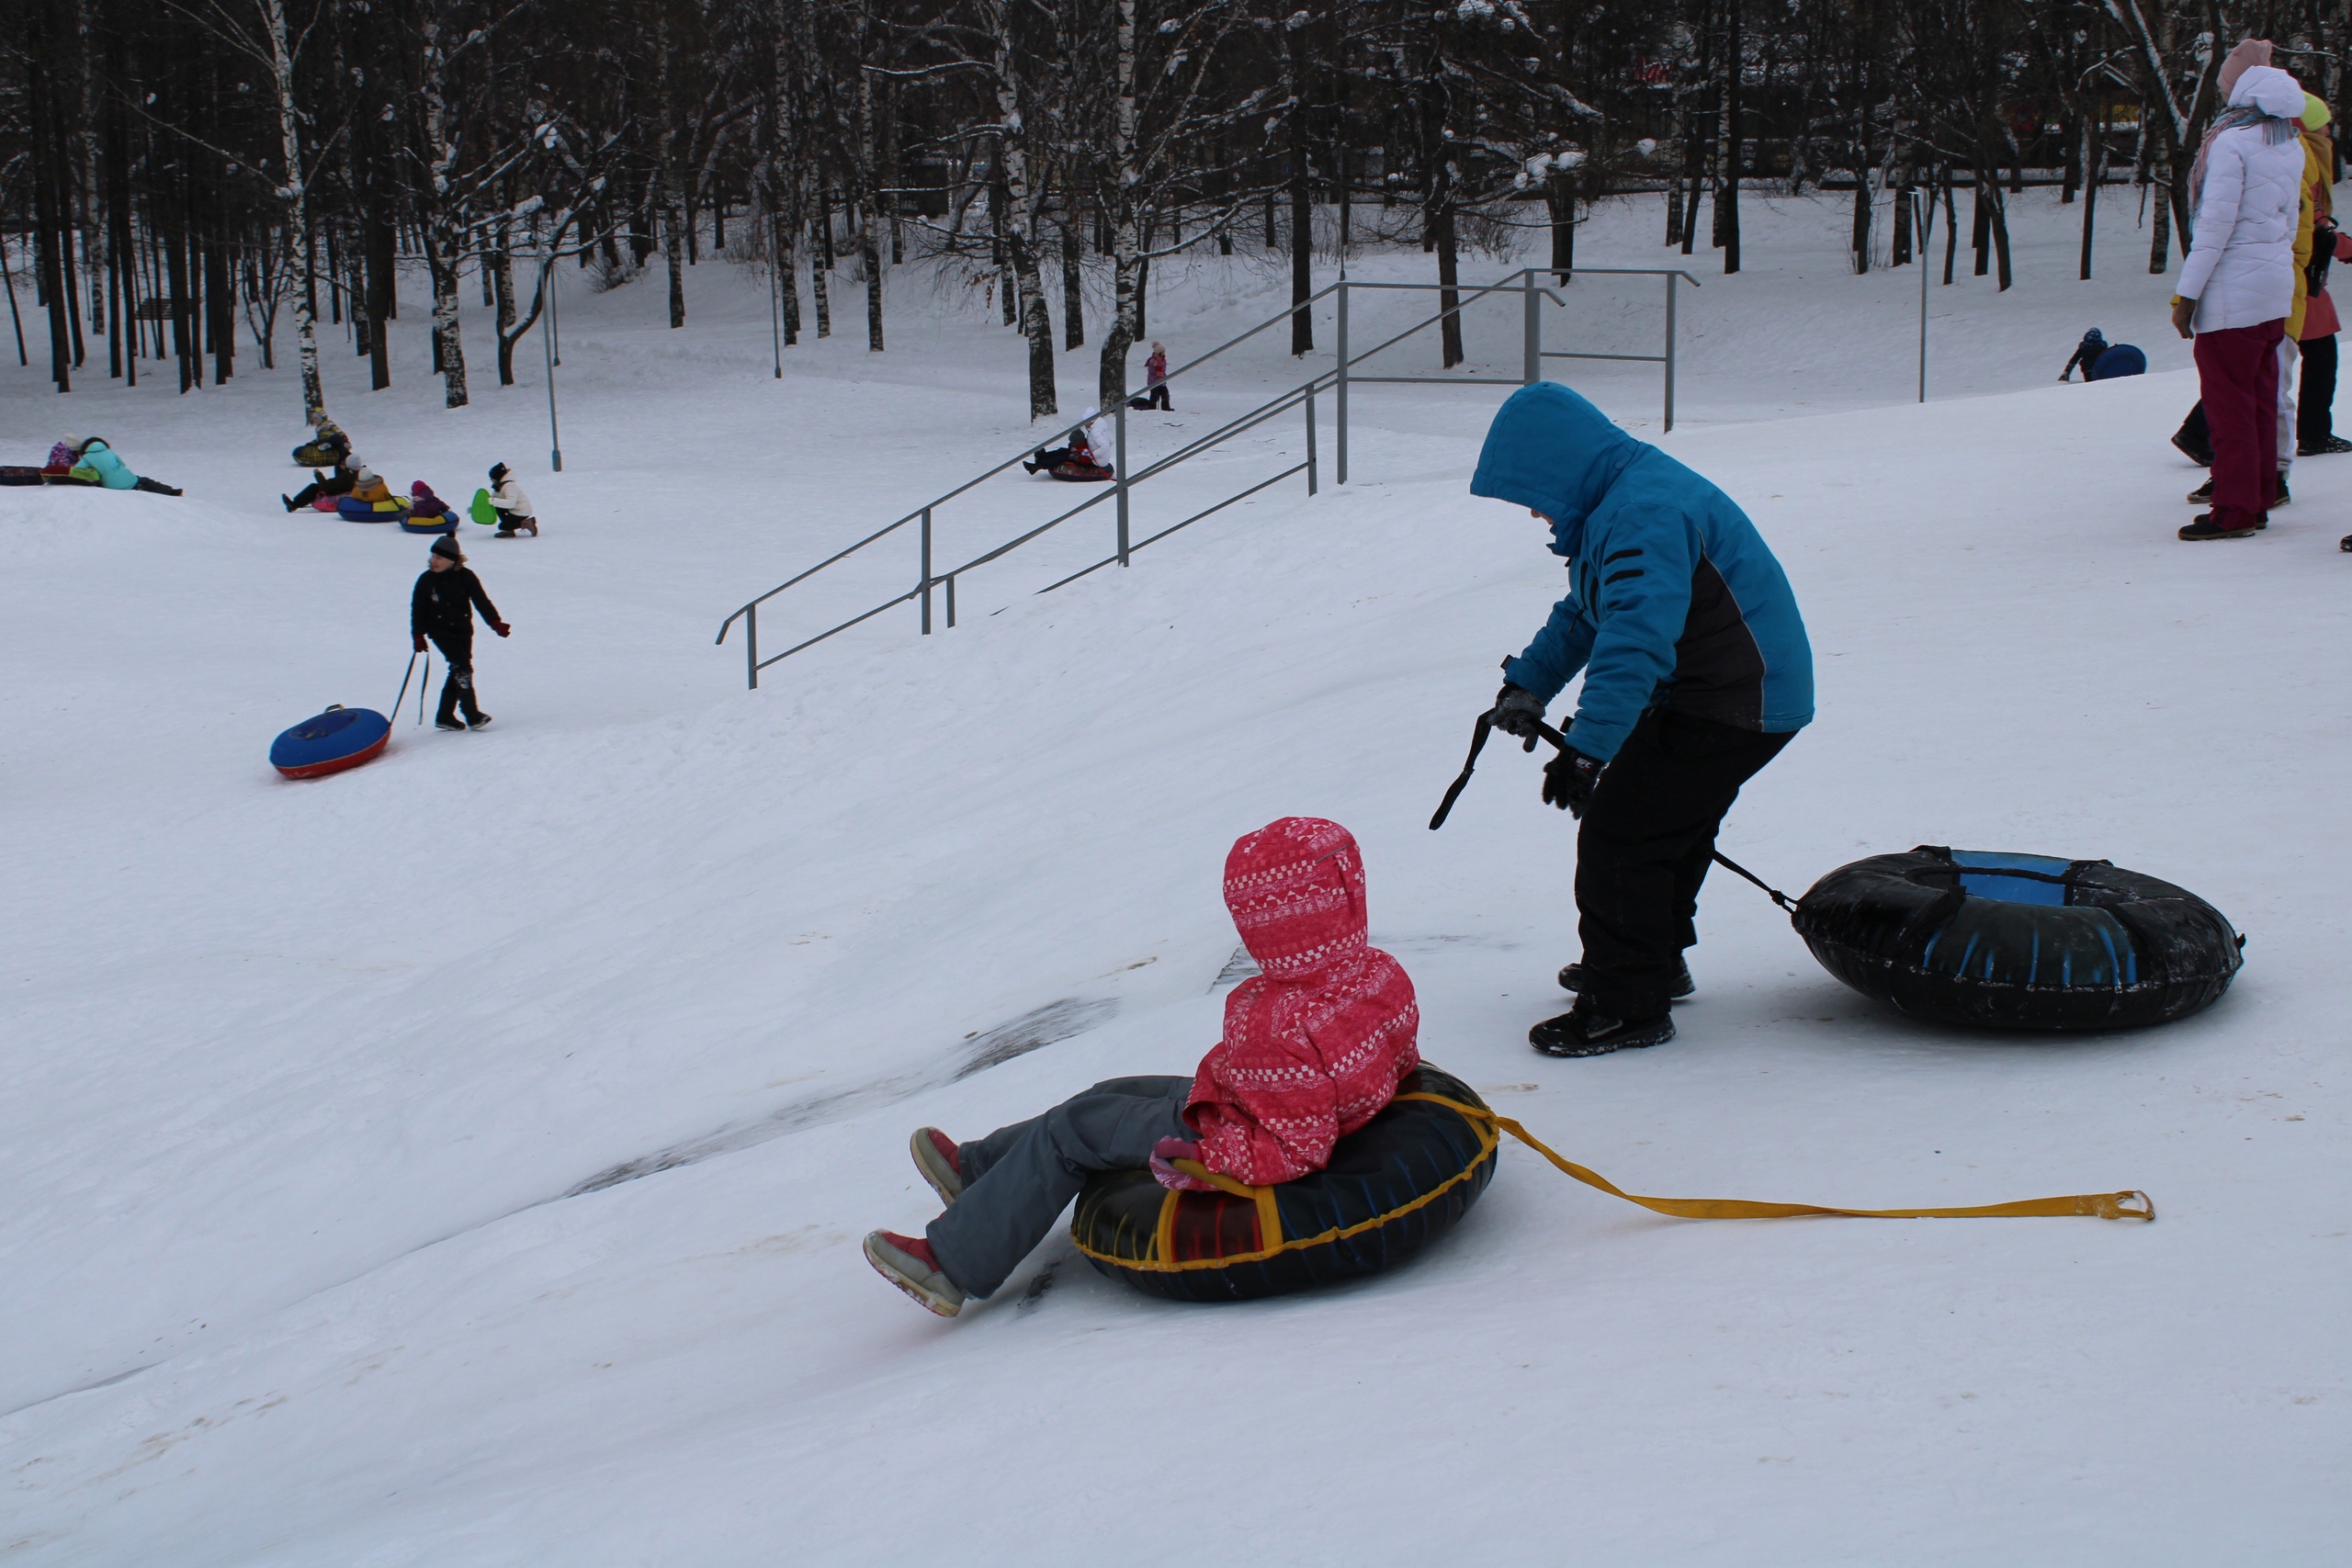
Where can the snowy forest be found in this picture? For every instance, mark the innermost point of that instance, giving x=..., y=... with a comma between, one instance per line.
x=199, y=169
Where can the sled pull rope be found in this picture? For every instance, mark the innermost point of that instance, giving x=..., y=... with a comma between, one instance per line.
x=2131, y=1204
x=1479, y=743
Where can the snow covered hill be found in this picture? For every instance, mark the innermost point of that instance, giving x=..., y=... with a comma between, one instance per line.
x=461, y=1160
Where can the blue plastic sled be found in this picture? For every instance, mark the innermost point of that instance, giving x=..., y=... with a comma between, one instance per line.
x=328, y=743
x=2122, y=359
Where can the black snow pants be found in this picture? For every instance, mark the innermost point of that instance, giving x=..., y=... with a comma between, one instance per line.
x=457, y=652
x=1643, y=847
x=2314, y=403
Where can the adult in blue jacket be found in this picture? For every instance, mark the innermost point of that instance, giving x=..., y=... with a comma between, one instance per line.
x=92, y=453
x=1696, y=672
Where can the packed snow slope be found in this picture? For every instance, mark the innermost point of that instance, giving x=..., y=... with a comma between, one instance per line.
x=462, y=1160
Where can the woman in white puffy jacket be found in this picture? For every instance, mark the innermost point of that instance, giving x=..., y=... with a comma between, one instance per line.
x=2238, y=284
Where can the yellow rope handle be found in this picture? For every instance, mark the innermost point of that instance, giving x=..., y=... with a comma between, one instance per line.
x=2128, y=1205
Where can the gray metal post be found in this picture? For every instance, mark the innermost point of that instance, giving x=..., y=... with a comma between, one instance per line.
x=1531, y=364
x=750, y=645
x=1918, y=219
x=776, y=313
x=1341, y=388
x=1121, y=416
x=1310, y=441
x=1671, y=279
x=926, y=571
x=547, y=339
x=951, y=601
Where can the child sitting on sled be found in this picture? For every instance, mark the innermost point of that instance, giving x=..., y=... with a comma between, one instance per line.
x=1314, y=1048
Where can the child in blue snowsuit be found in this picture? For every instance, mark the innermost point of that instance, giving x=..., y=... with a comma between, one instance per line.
x=1696, y=673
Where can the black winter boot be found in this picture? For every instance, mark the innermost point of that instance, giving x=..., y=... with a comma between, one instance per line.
x=1572, y=979
x=1585, y=1031
x=2194, y=447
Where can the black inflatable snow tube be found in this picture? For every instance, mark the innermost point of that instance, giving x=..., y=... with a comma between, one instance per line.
x=2019, y=942
x=1392, y=1186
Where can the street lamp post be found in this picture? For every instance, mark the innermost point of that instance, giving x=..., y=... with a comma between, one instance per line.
x=547, y=339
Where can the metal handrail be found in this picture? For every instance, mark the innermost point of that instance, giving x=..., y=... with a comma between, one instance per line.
x=1303, y=395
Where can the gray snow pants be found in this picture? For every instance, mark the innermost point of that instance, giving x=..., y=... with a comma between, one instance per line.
x=1018, y=1180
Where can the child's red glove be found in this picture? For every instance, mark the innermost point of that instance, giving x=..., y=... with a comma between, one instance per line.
x=501, y=627
x=1167, y=1175
x=418, y=638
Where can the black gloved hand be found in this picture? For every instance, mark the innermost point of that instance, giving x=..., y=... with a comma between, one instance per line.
x=1568, y=781
x=1517, y=711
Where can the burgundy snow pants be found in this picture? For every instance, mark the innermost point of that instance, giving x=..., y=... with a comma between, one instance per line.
x=2237, y=376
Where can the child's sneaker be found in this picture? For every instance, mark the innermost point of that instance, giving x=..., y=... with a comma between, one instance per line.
x=934, y=1153
x=907, y=1263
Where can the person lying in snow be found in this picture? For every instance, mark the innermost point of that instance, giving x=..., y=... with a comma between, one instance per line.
x=1314, y=1048
x=342, y=480
x=91, y=452
x=1084, y=458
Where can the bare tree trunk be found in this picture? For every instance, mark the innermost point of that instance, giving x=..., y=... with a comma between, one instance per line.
x=443, y=241
x=1073, y=297
x=1024, y=196
x=671, y=158
x=821, y=263
x=1728, y=174
x=1449, y=274
x=295, y=191
x=1111, y=385
x=870, y=224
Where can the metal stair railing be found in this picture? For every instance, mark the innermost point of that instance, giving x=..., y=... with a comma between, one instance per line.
x=1336, y=380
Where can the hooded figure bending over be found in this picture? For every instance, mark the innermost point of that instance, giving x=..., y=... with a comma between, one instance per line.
x=1696, y=672
x=1314, y=1048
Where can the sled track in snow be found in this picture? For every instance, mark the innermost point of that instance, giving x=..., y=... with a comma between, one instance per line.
x=1033, y=1031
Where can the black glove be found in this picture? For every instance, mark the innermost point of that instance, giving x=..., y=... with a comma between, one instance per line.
x=1517, y=711
x=1568, y=781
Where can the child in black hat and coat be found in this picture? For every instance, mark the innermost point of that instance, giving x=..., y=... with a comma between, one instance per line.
x=443, y=608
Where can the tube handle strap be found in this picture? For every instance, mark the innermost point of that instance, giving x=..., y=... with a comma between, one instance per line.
x=2126, y=1205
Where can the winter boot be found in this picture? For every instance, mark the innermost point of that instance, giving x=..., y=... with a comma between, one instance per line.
x=2283, y=496
x=1585, y=1031
x=2204, y=527
x=906, y=1261
x=289, y=501
x=478, y=721
x=1572, y=979
x=934, y=1153
x=2323, y=448
x=449, y=721
x=2202, y=495
x=2344, y=543
x=2193, y=447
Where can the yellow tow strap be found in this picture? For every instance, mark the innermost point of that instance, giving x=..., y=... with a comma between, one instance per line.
x=2127, y=1205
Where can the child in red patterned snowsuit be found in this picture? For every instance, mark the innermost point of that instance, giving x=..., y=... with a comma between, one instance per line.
x=1314, y=1048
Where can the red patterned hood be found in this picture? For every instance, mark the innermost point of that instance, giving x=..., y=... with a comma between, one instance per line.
x=1315, y=1044
x=1296, y=889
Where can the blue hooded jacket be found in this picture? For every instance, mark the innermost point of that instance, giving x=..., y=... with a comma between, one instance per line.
x=1673, y=596
x=112, y=471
